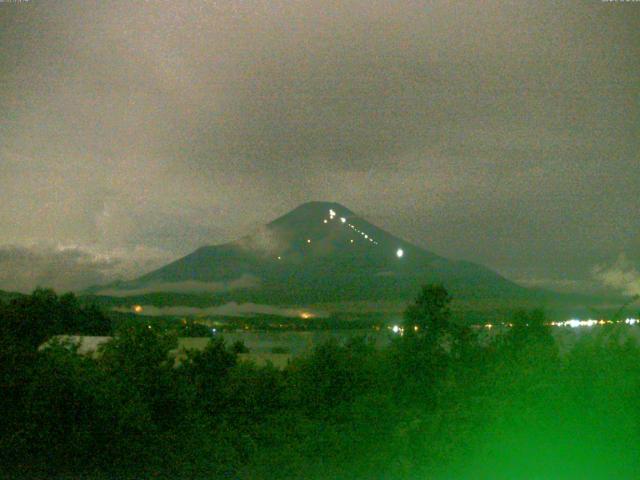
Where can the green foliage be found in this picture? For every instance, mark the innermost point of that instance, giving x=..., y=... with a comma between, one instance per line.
x=32, y=319
x=529, y=328
x=445, y=405
x=207, y=372
x=430, y=312
x=239, y=347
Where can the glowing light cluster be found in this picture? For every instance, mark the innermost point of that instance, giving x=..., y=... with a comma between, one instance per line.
x=575, y=323
x=398, y=330
x=366, y=236
x=571, y=323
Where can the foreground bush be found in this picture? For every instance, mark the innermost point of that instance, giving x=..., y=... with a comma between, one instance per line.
x=431, y=405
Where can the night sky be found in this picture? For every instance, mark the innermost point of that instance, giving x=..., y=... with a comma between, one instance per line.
x=506, y=133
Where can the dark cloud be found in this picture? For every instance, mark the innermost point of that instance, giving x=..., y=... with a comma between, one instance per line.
x=506, y=133
x=21, y=269
x=70, y=267
x=621, y=276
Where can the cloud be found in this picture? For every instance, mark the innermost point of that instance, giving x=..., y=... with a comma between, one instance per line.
x=245, y=281
x=266, y=242
x=493, y=131
x=70, y=267
x=622, y=275
x=22, y=269
x=232, y=309
x=559, y=284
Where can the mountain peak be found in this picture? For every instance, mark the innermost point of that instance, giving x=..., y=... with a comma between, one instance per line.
x=322, y=251
x=312, y=211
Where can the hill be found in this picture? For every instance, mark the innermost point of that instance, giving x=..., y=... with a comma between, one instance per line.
x=317, y=253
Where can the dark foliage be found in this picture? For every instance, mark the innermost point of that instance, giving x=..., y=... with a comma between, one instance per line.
x=512, y=405
x=32, y=319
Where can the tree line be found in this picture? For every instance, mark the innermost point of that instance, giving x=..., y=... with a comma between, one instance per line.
x=438, y=402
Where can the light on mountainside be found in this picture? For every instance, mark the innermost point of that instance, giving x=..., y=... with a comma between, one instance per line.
x=399, y=253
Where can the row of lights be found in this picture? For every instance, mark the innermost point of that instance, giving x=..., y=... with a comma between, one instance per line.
x=332, y=215
x=573, y=323
x=398, y=330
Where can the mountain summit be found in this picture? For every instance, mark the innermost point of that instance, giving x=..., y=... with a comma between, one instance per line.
x=320, y=252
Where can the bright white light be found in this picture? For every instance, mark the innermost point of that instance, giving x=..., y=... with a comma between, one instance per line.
x=395, y=329
x=399, y=253
x=308, y=240
x=573, y=323
x=332, y=214
x=343, y=220
x=351, y=240
x=279, y=257
x=366, y=236
x=325, y=220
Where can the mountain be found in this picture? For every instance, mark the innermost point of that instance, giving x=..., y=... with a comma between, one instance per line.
x=318, y=252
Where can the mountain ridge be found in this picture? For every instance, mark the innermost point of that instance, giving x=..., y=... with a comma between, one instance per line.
x=322, y=252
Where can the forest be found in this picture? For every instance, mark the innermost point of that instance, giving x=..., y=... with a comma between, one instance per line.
x=437, y=403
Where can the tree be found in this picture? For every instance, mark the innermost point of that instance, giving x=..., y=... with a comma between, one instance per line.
x=207, y=370
x=239, y=347
x=32, y=319
x=430, y=312
x=529, y=327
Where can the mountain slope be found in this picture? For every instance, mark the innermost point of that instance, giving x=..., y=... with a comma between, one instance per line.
x=319, y=252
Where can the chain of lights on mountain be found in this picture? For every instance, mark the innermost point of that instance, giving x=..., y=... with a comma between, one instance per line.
x=366, y=236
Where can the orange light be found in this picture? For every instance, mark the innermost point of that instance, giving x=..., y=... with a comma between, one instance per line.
x=137, y=308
